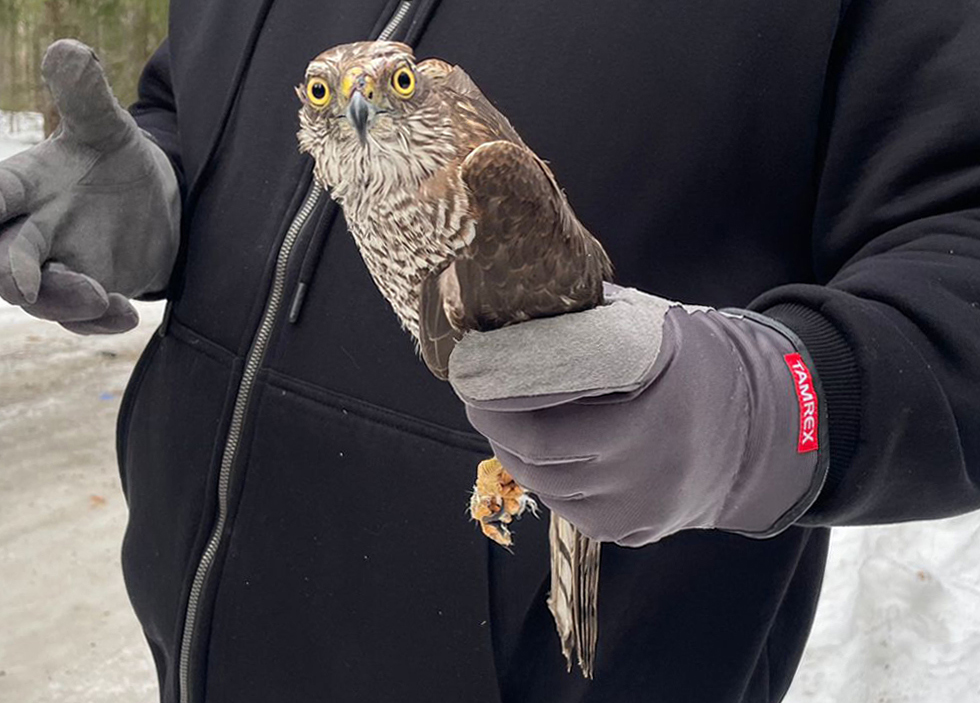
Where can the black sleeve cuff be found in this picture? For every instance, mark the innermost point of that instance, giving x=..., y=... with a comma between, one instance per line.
x=841, y=386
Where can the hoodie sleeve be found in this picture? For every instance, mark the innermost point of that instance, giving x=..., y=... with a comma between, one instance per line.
x=155, y=109
x=893, y=324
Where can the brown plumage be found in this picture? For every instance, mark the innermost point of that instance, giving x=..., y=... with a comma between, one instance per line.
x=462, y=228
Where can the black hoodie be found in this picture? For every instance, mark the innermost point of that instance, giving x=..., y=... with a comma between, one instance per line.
x=297, y=490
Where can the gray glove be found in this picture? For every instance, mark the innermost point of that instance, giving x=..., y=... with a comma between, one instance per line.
x=643, y=417
x=89, y=217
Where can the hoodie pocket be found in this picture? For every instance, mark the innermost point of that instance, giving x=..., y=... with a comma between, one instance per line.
x=126, y=406
x=170, y=431
x=352, y=567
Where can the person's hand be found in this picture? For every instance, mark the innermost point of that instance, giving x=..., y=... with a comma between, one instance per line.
x=89, y=217
x=643, y=417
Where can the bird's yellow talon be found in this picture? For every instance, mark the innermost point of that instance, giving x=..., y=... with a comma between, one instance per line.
x=497, y=500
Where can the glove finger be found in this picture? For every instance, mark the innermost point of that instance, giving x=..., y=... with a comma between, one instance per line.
x=13, y=193
x=89, y=110
x=120, y=317
x=68, y=296
x=22, y=249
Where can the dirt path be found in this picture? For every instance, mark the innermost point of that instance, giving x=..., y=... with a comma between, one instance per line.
x=68, y=632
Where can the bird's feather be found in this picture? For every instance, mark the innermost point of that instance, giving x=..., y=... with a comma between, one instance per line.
x=437, y=336
x=574, y=592
x=529, y=257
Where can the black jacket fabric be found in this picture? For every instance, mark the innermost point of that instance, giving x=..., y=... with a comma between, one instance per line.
x=818, y=162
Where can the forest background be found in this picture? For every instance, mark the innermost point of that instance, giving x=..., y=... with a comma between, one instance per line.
x=124, y=33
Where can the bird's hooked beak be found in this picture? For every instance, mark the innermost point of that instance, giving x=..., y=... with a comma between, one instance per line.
x=359, y=113
x=360, y=90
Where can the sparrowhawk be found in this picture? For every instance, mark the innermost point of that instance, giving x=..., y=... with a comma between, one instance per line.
x=462, y=227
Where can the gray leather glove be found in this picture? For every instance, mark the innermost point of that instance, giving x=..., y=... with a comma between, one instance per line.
x=89, y=217
x=643, y=417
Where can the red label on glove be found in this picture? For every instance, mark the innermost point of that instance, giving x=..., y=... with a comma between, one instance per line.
x=807, y=397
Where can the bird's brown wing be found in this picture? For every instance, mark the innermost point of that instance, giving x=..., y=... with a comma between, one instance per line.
x=475, y=119
x=437, y=336
x=530, y=257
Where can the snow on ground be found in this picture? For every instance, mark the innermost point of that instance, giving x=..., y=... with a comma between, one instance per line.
x=899, y=617
x=9, y=147
x=19, y=130
x=898, y=622
x=68, y=633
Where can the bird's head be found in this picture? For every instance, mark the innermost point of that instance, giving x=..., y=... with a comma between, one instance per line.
x=369, y=105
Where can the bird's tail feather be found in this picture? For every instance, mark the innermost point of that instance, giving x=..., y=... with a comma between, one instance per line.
x=574, y=592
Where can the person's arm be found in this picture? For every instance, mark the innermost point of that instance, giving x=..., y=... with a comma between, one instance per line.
x=643, y=417
x=155, y=109
x=895, y=329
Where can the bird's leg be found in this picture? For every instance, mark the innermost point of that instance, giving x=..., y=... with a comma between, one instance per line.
x=497, y=500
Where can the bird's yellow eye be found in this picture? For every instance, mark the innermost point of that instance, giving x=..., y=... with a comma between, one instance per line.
x=317, y=92
x=403, y=82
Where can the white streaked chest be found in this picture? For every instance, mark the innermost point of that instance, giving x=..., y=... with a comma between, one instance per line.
x=404, y=237
x=403, y=226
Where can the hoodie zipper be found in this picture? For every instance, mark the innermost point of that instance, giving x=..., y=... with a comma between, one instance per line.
x=395, y=21
x=253, y=363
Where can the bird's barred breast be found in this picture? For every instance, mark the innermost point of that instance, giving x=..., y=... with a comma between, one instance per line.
x=405, y=238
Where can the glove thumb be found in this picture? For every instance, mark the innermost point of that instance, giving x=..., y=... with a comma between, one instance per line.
x=89, y=110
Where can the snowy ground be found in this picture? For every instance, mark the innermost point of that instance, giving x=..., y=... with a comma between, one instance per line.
x=9, y=147
x=899, y=617
x=899, y=620
x=19, y=130
x=68, y=633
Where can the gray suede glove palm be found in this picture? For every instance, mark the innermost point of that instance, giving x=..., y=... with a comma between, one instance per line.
x=644, y=417
x=89, y=217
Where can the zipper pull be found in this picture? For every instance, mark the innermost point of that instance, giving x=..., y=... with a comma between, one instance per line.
x=297, y=305
x=311, y=259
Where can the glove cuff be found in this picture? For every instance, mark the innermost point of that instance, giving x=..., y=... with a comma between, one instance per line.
x=840, y=381
x=762, y=502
